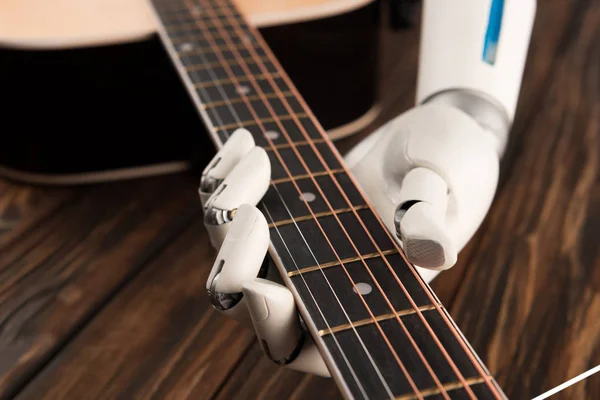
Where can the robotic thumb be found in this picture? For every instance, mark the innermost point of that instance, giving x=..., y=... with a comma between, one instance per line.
x=420, y=220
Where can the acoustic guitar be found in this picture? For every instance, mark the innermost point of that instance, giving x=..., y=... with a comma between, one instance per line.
x=90, y=93
x=395, y=342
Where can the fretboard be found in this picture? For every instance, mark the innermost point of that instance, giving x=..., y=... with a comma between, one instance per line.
x=380, y=328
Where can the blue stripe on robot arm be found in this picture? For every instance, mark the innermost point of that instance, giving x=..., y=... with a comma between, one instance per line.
x=492, y=33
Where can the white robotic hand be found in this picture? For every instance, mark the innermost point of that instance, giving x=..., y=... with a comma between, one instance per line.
x=231, y=186
x=430, y=173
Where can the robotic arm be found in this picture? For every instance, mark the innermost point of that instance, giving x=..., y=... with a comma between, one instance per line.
x=431, y=172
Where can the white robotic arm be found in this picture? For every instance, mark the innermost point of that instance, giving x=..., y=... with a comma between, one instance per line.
x=472, y=58
x=431, y=173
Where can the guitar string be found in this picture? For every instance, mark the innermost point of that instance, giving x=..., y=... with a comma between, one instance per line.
x=215, y=113
x=450, y=325
x=355, y=376
x=409, y=336
x=249, y=77
x=250, y=108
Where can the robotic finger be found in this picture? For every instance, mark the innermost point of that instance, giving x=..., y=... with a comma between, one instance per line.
x=420, y=220
x=247, y=182
x=237, y=288
x=240, y=259
x=279, y=329
x=236, y=147
x=232, y=184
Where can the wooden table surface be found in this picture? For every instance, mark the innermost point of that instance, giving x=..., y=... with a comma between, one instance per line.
x=102, y=288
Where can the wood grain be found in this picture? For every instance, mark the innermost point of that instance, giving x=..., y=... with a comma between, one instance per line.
x=22, y=207
x=159, y=338
x=55, y=276
x=526, y=291
x=258, y=378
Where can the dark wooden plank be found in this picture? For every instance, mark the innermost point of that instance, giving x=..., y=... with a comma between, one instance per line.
x=160, y=338
x=57, y=275
x=22, y=207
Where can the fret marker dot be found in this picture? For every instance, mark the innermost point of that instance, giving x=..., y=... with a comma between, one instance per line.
x=363, y=288
x=273, y=135
x=197, y=10
x=185, y=47
x=242, y=89
x=308, y=196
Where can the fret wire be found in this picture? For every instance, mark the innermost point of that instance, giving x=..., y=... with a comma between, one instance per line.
x=304, y=176
x=196, y=10
x=201, y=8
x=285, y=167
x=200, y=67
x=239, y=46
x=316, y=215
x=367, y=321
x=237, y=101
x=447, y=386
x=219, y=82
x=336, y=263
x=420, y=280
x=374, y=279
x=262, y=120
x=296, y=143
x=349, y=277
x=201, y=49
x=191, y=27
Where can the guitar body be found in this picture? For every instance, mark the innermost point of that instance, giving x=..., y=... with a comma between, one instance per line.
x=93, y=96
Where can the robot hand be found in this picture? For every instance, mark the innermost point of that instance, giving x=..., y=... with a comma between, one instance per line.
x=431, y=174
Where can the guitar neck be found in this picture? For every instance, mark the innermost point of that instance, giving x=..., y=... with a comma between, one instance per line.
x=381, y=330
